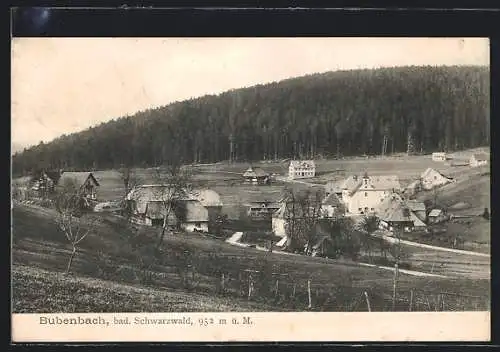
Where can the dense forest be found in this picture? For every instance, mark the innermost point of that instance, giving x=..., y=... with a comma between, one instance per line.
x=334, y=114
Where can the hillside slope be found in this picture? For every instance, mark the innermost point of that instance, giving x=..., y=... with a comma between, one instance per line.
x=40, y=254
x=334, y=113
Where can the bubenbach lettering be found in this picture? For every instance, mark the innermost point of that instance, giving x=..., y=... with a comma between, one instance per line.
x=73, y=321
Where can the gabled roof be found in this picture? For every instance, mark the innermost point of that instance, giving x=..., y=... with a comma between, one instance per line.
x=79, y=177
x=157, y=210
x=302, y=164
x=481, y=156
x=207, y=197
x=415, y=205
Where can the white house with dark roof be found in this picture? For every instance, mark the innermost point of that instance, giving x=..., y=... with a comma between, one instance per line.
x=301, y=169
x=256, y=175
x=368, y=192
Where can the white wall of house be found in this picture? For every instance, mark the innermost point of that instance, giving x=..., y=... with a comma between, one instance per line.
x=278, y=225
x=365, y=200
x=192, y=226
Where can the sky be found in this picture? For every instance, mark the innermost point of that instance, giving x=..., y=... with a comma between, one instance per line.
x=65, y=85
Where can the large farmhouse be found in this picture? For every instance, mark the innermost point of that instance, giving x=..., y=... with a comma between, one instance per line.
x=150, y=204
x=301, y=169
x=85, y=182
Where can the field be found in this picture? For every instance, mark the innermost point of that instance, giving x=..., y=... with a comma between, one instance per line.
x=106, y=270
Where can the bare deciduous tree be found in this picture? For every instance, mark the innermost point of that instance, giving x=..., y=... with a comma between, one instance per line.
x=174, y=181
x=72, y=220
x=302, y=213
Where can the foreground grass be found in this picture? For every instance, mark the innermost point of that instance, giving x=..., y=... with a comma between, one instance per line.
x=43, y=291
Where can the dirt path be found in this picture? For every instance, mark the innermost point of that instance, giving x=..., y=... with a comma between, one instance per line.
x=404, y=271
x=436, y=248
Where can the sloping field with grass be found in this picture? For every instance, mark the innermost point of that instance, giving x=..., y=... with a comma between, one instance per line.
x=336, y=285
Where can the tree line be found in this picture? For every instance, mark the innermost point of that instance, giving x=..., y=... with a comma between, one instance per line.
x=334, y=114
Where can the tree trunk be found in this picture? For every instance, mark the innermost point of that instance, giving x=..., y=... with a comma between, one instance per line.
x=70, y=261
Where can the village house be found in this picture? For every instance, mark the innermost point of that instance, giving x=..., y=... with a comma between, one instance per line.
x=436, y=216
x=369, y=193
x=431, y=178
x=301, y=169
x=256, y=175
x=439, y=156
x=150, y=203
x=418, y=208
x=392, y=205
x=262, y=209
x=85, y=183
x=479, y=159
x=343, y=188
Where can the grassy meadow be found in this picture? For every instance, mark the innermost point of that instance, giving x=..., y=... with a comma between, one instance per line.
x=40, y=255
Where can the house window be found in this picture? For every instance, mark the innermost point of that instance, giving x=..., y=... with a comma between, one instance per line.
x=198, y=224
x=359, y=209
x=435, y=177
x=366, y=194
x=372, y=209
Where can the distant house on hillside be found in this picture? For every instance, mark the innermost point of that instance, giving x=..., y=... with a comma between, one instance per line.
x=479, y=159
x=431, y=178
x=440, y=156
x=85, y=182
x=436, y=216
x=367, y=194
x=332, y=205
x=301, y=169
x=256, y=175
x=210, y=199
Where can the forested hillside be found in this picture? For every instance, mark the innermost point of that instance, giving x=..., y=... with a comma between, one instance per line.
x=332, y=114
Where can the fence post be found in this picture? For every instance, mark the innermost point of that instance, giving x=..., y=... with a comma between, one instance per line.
x=294, y=287
x=436, y=307
x=394, y=285
x=222, y=282
x=368, y=302
x=277, y=287
x=442, y=302
x=411, y=299
x=309, y=292
x=249, y=286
